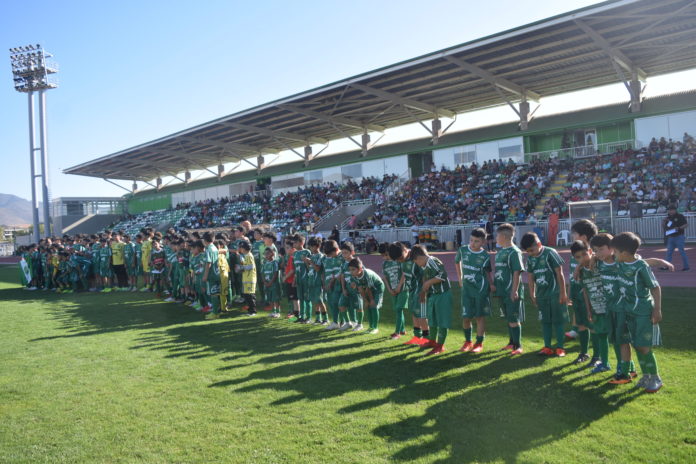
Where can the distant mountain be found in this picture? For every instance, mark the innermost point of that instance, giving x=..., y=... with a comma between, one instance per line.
x=15, y=211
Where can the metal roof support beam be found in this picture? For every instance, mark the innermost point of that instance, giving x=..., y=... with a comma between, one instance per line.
x=275, y=133
x=616, y=55
x=333, y=120
x=524, y=115
x=497, y=82
x=229, y=145
x=119, y=186
x=635, y=88
x=403, y=101
x=307, y=155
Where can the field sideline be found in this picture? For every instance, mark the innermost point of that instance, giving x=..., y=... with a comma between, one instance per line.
x=126, y=378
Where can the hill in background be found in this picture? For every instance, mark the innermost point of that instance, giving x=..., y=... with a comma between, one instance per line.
x=15, y=211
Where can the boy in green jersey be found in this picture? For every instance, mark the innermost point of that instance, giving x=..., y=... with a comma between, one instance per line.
x=138, y=258
x=257, y=248
x=198, y=268
x=271, y=281
x=413, y=281
x=315, y=289
x=158, y=264
x=547, y=291
x=436, y=295
x=104, y=265
x=301, y=284
x=129, y=258
x=371, y=289
x=641, y=299
x=211, y=277
x=508, y=271
x=582, y=230
x=332, y=285
x=595, y=301
x=349, y=303
x=474, y=273
x=394, y=282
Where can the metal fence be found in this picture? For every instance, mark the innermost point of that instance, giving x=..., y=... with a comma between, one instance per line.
x=649, y=228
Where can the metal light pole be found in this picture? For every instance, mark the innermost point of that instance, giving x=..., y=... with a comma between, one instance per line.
x=32, y=72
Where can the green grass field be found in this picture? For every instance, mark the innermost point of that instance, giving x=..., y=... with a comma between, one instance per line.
x=126, y=378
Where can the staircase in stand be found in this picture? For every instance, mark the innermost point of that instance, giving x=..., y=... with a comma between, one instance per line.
x=554, y=189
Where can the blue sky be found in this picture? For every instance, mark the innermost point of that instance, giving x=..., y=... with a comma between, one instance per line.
x=133, y=71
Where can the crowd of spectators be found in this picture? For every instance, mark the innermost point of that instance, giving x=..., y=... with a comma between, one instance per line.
x=661, y=174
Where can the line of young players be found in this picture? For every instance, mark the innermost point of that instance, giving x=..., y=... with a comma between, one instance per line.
x=613, y=293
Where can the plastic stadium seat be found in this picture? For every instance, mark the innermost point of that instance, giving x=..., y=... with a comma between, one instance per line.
x=563, y=236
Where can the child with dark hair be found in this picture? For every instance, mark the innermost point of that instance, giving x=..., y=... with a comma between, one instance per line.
x=331, y=267
x=315, y=289
x=271, y=281
x=349, y=304
x=394, y=281
x=582, y=230
x=413, y=282
x=508, y=272
x=371, y=289
x=247, y=268
x=436, y=295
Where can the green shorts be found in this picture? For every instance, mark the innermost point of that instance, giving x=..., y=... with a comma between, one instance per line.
x=333, y=298
x=401, y=300
x=601, y=324
x=513, y=311
x=643, y=332
x=315, y=294
x=379, y=299
x=418, y=309
x=104, y=271
x=580, y=311
x=302, y=289
x=551, y=311
x=271, y=294
x=439, y=307
x=475, y=305
x=352, y=301
x=618, y=330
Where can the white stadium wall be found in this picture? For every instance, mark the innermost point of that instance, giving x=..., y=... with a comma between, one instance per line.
x=340, y=174
x=670, y=126
x=503, y=149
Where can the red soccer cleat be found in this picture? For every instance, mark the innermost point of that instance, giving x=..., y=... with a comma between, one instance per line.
x=427, y=343
x=516, y=351
x=507, y=347
x=438, y=348
x=413, y=341
x=395, y=336
x=546, y=351
x=560, y=352
x=206, y=309
x=468, y=346
x=478, y=347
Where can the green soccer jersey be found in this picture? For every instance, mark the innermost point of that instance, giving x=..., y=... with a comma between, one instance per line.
x=434, y=268
x=413, y=276
x=392, y=272
x=299, y=264
x=256, y=249
x=369, y=280
x=138, y=251
x=128, y=253
x=210, y=255
x=105, y=256
x=610, y=284
x=158, y=258
x=575, y=287
x=636, y=279
x=197, y=263
x=475, y=267
x=347, y=277
x=332, y=270
x=507, y=261
x=314, y=276
x=269, y=270
x=543, y=269
x=593, y=285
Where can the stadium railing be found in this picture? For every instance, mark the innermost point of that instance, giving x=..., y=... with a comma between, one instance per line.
x=585, y=151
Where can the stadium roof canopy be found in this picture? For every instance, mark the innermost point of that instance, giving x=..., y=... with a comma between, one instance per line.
x=614, y=41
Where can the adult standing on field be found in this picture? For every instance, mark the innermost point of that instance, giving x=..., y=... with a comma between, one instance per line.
x=674, y=225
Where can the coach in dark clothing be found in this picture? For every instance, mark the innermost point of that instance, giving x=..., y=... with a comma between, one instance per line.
x=675, y=226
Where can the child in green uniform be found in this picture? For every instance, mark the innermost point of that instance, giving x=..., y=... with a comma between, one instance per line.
x=138, y=248
x=198, y=268
x=413, y=281
x=271, y=281
x=547, y=291
x=301, y=283
x=158, y=263
x=508, y=271
x=129, y=258
x=394, y=282
x=315, y=289
x=474, y=272
x=371, y=289
x=104, y=254
x=582, y=230
x=641, y=299
x=211, y=277
x=436, y=295
x=595, y=301
x=350, y=303
x=331, y=266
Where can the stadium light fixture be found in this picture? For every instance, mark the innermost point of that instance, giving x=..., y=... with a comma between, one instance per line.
x=33, y=70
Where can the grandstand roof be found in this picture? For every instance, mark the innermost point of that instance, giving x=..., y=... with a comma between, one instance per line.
x=601, y=44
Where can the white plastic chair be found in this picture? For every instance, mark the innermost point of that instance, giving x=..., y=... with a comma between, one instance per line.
x=563, y=236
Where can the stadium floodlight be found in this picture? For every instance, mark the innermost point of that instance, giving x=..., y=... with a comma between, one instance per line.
x=33, y=71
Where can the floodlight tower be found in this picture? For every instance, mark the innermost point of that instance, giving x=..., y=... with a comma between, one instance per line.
x=32, y=71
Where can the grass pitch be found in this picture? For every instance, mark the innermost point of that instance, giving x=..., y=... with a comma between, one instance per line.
x=122, y=377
